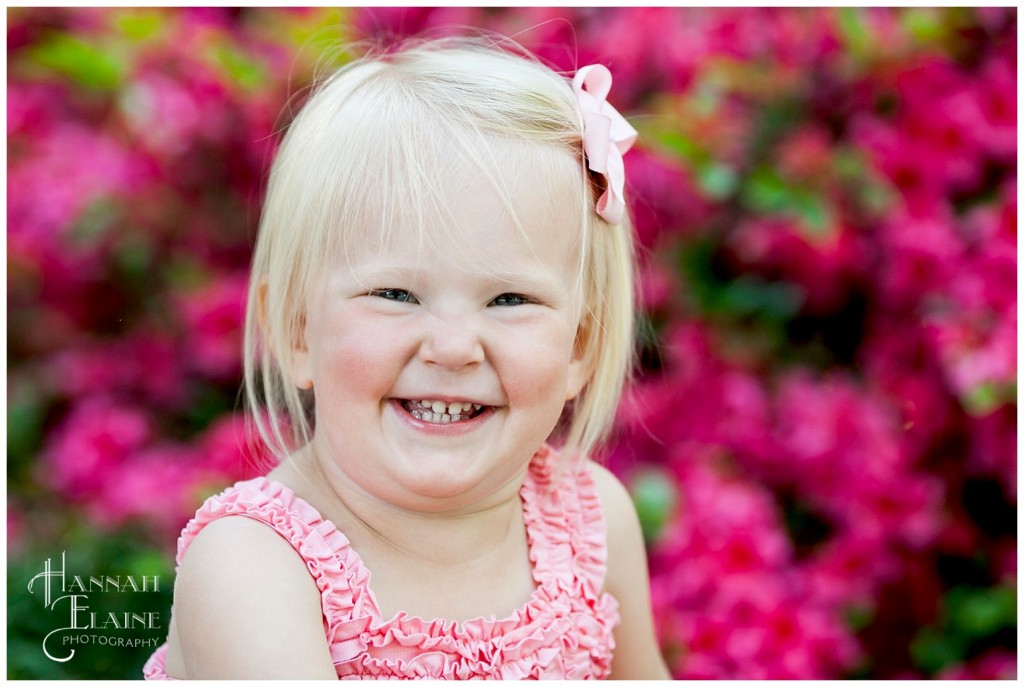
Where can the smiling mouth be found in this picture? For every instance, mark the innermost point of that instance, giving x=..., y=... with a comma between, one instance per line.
x=443, y=412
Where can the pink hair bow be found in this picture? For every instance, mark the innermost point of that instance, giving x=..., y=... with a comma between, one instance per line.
x=606, y=137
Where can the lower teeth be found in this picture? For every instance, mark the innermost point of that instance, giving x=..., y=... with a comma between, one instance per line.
x=437, y=418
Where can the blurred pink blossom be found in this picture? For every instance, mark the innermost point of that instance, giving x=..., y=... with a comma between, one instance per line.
x=654, y=50
x=997, y=664
x=657, y=285
x=391, y=24
x=993, y=447
x=722, y=572
x=16, y=525
x=144, y=363
x=848, y=459
x=937, y=118
x=226, y=448
x=996, y=122
x=847, y=571
x=91, y=167
x=169, y=116
x=825, y=265
x=160, y=484
x=91, y=443
x=664, y=199
x=213, y=317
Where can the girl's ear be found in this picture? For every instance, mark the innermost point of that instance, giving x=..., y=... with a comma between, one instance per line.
x=300, y=369
x=301, y=364
x=581, y=367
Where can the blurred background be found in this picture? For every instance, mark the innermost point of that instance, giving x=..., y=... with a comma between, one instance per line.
x=822, y=438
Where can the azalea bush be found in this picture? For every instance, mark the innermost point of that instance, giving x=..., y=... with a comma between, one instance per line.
x=821, y=438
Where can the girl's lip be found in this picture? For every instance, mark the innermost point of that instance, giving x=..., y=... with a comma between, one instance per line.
x=459, y=427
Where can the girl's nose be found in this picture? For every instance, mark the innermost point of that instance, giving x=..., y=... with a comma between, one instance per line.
x=452, y=343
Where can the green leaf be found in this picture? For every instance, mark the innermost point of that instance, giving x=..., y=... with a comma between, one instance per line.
x=768, y=193
x=816, y=215
x=983, y=398
x=748, y=296
x=933, y=650
x=718, y=181
x=655, y=496
x=924, y=24
x=978, y=613
x=238, y=66
x=680, y=145
x=140, y=25
x=859, y=617
x=853, y=30
x=84, y=63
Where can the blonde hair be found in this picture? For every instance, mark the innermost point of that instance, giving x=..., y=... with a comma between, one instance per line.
x=360, y=152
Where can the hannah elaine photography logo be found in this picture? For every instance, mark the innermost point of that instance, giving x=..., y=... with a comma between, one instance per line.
x=72, y=598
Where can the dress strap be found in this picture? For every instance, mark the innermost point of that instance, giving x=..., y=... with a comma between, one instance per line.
x=563, y=513
x=348, y=607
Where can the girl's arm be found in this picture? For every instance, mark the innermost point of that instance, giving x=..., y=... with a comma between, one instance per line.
x=637, y=654
x=245, y=606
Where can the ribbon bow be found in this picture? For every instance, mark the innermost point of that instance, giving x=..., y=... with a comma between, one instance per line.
x=606, y=137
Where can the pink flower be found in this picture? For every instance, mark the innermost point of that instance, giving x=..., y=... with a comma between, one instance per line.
x=91, y=167
x=937, y=116
x=722, y=572
x=993, y=447
x=145, y=364
x=848, y=458
x=392, y=24
x=806, y=155
x=849, y=570
x=33, y=110
x=213, y=318
x=663, y=198
x=996, y=664
x=167, y=117
x=922, y=253
x=225, y=448
x=94, y=440
x=649, y=49
x=826, y=266
x=656, y=286
x=996, y=119
x=158, y=485
x=908, y=163
x=899, y=362
x=16, y=526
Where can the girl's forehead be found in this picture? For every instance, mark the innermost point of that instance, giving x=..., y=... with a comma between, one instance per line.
x=527, y=197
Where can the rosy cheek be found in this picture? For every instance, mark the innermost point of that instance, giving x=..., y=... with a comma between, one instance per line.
x=534, y=375
x=352, y=363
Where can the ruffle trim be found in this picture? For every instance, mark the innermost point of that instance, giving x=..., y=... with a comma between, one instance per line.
x=563, y=631
x=156, y=665
x=339, y=574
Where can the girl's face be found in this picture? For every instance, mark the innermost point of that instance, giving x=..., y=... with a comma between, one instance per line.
x=440, y=366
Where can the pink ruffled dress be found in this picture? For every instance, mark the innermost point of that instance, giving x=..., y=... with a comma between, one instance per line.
x=564, y=631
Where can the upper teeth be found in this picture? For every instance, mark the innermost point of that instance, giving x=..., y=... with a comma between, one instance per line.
x=452, y=408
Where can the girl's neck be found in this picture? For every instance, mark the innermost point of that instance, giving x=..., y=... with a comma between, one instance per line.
x=460, y=537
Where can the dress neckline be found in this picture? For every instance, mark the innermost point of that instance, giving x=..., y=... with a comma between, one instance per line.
x=361, y=575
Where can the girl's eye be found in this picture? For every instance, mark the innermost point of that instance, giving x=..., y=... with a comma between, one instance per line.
x=507, y=299
x=400, y=295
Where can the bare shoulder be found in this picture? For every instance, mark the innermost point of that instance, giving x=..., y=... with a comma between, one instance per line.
x=613, y=493
x=245, y=606
x=625, y=538
x=637, y=655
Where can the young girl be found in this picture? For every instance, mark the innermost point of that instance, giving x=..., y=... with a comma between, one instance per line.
x=441, y=287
